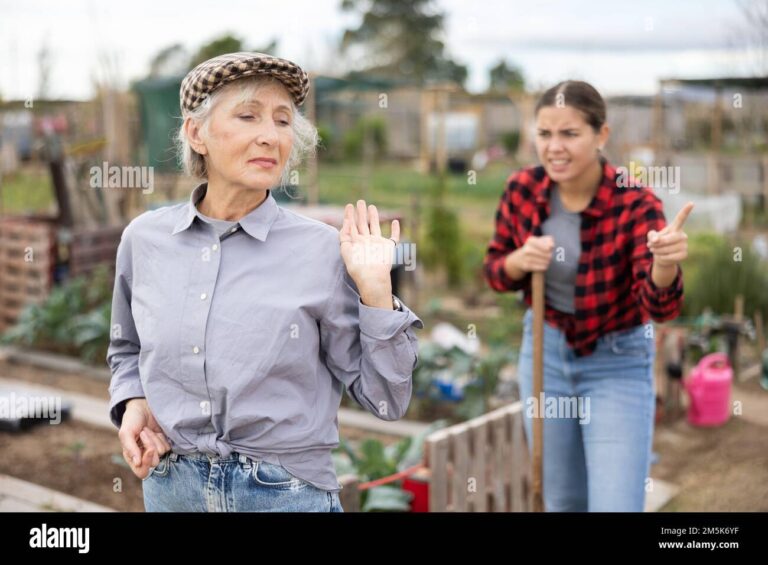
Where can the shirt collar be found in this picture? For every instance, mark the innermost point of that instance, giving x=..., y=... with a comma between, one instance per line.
x=256, y=223
x=601, y=200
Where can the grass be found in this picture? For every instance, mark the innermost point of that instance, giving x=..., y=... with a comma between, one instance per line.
x=29, y=191
x=394, y=186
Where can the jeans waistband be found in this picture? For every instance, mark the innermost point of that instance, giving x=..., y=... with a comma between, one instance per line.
x=206, y=457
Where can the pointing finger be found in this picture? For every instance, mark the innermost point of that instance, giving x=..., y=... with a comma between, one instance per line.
x=682, y=215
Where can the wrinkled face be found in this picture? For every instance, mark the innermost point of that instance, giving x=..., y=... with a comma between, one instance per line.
x=565, y=143
x=248, y=142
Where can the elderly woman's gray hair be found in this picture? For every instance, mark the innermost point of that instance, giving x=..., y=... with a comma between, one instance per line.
x=305, y=136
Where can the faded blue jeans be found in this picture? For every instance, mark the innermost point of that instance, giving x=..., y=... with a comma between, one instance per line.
x=202, y=483
x=598, y=419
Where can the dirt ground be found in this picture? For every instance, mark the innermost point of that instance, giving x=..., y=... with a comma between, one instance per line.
x=721, y=469
x=716, y=469
x=75, y=458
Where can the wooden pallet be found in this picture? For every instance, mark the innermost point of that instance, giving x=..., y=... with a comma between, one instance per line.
x=27, y=260
x=481, y=465
x=90, y=248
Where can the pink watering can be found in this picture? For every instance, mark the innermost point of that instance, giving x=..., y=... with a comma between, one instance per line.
x=709, y=389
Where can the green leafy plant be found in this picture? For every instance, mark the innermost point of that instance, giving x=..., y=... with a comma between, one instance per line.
x=511, y=141
x=441, y=370
x=74, y=319
x=720, y=270
x=371, y=460
x=372, y=128
x=443, y=238
x=76, y=448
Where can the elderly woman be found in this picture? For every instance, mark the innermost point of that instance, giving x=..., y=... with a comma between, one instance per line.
x=235, y=322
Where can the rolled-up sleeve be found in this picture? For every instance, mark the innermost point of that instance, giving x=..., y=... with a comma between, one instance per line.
x=372, y=351
x=124, y=346
x=502, y=244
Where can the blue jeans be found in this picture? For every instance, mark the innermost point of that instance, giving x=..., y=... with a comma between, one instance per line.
x=598, y=419
x=202, y=483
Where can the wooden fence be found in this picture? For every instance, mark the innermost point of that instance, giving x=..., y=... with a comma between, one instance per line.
x=481, y=465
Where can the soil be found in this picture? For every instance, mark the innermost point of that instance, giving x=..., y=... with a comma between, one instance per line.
x=75, y=458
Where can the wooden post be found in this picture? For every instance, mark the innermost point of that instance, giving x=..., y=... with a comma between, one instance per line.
x=764, y=162
x=349, y=495
x=538, y=387
x=441, y=153
x=759, y=333
x=738, y=316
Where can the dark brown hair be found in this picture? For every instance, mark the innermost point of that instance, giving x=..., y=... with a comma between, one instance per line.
x=576, y=94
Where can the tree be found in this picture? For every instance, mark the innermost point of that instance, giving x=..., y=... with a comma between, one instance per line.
x=401, y=38
x=226, y=44
x=755, y=31
x=176, y=60
x=505, y=78
x=170, y=61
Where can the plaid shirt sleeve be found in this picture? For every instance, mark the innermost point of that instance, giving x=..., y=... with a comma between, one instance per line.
x=662, y=304
x=504, y=242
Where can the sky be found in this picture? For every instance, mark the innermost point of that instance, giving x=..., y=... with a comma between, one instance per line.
x=621, y=47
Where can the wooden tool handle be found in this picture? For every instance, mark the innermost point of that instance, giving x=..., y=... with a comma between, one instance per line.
x=538, y=386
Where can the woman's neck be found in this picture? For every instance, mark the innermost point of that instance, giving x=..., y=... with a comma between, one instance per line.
x=229, y=202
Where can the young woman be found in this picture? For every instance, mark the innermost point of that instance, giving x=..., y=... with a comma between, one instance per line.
x=237, y=323
x=611, y=263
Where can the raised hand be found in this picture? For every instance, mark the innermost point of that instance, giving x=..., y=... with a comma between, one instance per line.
x=670, y=245
x=367, y=254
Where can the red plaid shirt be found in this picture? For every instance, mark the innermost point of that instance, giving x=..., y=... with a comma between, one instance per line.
x=614, y=289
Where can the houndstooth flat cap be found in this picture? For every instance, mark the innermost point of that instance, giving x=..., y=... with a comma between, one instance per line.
x=214, y=73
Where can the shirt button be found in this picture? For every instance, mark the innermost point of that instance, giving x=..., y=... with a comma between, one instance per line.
x=203, y=296
x=196, y=350
x=215, y=246
x=233, y=230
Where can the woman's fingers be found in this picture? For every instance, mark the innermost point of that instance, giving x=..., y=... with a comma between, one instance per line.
x=544, y=243
x=373, y=220
x=164, y=441
x=130, y=447
x=667, y=254
x=141, y=469
x=158, y=440
x=666, y=240
x=395, y=231
x=536, y=264
x=362, y=218
x=150, y=444
x=150, y=459
x=345, y=234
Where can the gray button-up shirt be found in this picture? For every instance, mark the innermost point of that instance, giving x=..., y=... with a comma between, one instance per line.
x=242, y=342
